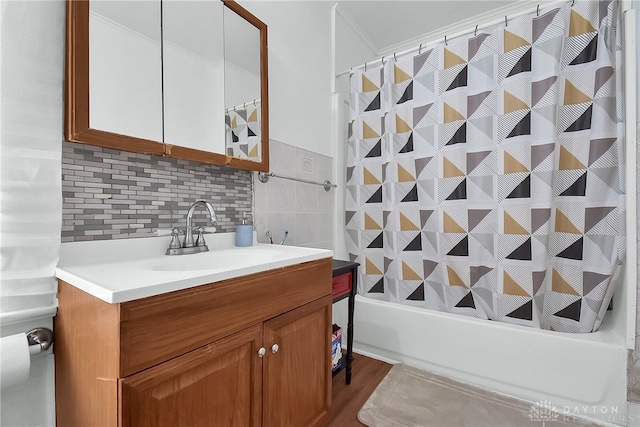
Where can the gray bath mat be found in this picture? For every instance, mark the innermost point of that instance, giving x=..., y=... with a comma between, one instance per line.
x=411, y=397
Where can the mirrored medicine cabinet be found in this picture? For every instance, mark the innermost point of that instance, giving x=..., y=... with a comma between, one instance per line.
x=178, y=78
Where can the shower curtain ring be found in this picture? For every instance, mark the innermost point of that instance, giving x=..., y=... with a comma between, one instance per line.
x=394, y=57
x=506, y=23
x=420, y=49
x=573, y=2
x=445, y=40
x=475, y=32
x=365, y=67
x=382, y=60
x=538, y=11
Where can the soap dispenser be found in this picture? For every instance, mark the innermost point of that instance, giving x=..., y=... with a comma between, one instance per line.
x=244, y=232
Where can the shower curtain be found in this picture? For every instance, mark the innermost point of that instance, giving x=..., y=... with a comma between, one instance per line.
x=485, y=175
x=242, y=132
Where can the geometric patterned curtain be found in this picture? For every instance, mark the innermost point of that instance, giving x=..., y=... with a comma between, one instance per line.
x=242, y=126
x=485, y=176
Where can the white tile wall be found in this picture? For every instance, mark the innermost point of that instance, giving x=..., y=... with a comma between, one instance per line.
x=633, y=362
x=305, y=210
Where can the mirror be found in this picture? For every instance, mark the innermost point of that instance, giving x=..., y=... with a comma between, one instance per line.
x=126, y=72
x=193, y=74
x=240, y=35
x=242, y=78
x=154, y=77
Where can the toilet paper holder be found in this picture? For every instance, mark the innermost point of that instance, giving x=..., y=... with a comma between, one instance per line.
x=40, y=339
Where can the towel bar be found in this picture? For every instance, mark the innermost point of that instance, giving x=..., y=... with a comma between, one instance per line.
x=264, y=177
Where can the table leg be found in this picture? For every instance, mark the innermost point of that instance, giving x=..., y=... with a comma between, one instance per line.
x=352, y=301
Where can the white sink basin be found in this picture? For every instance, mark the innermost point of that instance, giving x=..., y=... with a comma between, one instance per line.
x=215, y=260
x=124, y=270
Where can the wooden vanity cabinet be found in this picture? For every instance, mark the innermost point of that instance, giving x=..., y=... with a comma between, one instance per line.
x=212, y=371
x=295, y=389
x=218, y=383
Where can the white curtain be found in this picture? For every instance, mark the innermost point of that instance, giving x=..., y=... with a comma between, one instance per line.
x=31, y=105
x=32, y=66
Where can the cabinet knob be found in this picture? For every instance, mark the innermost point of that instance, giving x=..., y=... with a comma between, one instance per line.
x=275, y=348
x=262, y=352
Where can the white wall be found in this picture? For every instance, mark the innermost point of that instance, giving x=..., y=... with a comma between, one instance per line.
x=299, y=72
x=633, y=367
x=32, y=402
x=636, y=6
x=351, y=50
x=301, y=102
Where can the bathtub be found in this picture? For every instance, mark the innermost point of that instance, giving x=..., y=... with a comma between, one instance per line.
x=581, y=374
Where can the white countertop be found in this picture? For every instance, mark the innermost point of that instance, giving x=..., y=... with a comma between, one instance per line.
x=124, y=270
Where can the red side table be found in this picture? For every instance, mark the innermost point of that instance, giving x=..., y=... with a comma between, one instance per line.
x=344, y=284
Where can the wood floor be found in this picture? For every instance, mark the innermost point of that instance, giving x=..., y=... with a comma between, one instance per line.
x=348, y=399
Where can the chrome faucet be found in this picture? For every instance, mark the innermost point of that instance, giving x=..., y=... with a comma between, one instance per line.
x=188, y=239
x=189, y=246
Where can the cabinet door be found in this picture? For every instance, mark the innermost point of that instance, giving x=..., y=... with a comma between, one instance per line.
x=216, y=385
x=193, y=74
x=125, y=68
x=297, y=373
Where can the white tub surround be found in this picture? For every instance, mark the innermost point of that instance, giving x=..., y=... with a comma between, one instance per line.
x=581, y=374
x=124, y=270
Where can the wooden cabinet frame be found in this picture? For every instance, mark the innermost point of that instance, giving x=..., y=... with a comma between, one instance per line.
x=77, y=108
x=76, y=123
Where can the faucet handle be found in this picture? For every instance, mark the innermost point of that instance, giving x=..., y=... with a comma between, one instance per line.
x=175, y=240
x=200, y=239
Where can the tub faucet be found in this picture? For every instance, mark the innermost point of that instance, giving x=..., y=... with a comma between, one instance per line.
x=189, y=246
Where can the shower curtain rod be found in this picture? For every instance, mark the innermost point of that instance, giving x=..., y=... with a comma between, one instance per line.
x=255, y=102
x=447, y=38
